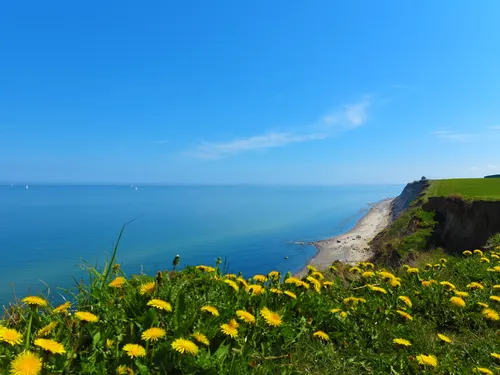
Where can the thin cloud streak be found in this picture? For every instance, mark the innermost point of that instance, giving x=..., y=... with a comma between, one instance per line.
x=350, y=117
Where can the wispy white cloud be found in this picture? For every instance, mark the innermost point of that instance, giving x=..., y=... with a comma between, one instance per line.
x=217, y=150
x=494, y=127
x=456, y=136
x=349, y=117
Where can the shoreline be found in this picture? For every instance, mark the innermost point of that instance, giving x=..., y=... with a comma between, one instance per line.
x=352, y=246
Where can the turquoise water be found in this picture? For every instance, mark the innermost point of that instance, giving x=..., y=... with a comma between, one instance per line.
x=46, y=232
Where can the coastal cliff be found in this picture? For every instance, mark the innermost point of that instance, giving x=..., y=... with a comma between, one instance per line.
x=461, y=224
x=423, y=219
x=410, y=193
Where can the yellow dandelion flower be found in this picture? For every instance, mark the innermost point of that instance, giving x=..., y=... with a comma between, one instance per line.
x=490, y=314
x=442, y=260
x=62, y=308
x=210, y=309
x=147, y=288
x=304, y=284
x=229, y=330
x=343, y=314
x=427, y=360
x=271, y=318
x=245, y=316
x=321, y=335
x=10, y=336
x=153, y=334
x=232, y=284
x=134, y=350
x=482, y=304
x=86, y=316
x=350, y=300
x=457, y=301
x=290, y=294
x=118, y=282
x=496, y=287
x=109, y=343
x=495, y=355
x=256, y=289
x=444, y=338
x=496, y=256
x=336, y=310
x=386, y=275
x=405, y=266
x=332, y=268
x=274, y=275
x=428, y=283
x=242, y=281
x=34, y=301
x=260, y=278
x=318, y=275
x=475, y=285
x=401, y=342
x=124, y=370
x=395, y=282
x=478, y=252
x=495, y=298
x=377, y=289
x=461, y=294
x=311, y=268
x=484, y=260
x=275, y=291
x=483, y=370
x=369, y=265
x=428, y=266
x=404, y=315
x=328, y=283
x=367, y=274
x=201, y=338
x=412, y=270
x=160, y=304
x=447, y=284
x=46, y=330
x=315, y=283
x=50, y=346
x=230, y=276
x=355, y=270
x=406, y=300
x=467, y=252
x=293, y=280
x=26, y=363
x=205, y=268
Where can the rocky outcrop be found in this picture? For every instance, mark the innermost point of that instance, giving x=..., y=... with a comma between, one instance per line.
x=410, y=193
x=463, y=225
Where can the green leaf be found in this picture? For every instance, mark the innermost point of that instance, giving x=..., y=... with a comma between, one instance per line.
x=143, y=370
x=221, y=352
x=96, y=338
x=180, y=307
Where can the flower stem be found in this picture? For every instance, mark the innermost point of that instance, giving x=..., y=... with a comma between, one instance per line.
x=28, y=332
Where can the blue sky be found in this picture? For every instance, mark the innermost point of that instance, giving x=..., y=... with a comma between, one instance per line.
x=259, y=92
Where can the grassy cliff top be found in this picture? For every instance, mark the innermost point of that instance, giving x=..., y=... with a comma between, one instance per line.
x=470, y=188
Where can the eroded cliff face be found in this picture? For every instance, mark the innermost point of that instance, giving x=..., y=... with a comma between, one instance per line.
x=463, y=225
x=409, y=194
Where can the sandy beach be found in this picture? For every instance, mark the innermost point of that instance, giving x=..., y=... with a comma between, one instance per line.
x=352, y=247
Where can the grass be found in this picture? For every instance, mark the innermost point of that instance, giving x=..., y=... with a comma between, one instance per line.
x=471, y=188
x=409, y=234
x=342, y=320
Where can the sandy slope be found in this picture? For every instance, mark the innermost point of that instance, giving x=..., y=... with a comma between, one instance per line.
x=351, y=247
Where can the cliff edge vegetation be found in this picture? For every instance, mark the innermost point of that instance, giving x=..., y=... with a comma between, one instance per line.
x=454, y=214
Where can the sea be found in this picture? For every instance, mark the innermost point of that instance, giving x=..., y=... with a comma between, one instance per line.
x=48, y=232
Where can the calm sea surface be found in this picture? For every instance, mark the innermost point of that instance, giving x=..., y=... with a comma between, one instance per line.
x=46, y=232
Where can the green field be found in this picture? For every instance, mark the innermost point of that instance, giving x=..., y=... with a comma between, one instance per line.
x=472, y=188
